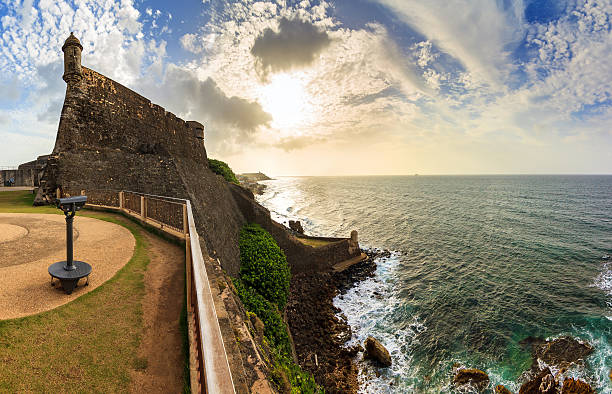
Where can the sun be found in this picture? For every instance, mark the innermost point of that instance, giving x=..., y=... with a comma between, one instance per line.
x=286, y=99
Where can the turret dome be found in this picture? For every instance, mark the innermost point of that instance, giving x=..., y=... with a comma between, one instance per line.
x=72, y=40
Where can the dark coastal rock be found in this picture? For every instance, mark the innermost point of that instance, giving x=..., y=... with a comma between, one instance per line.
x=562, y=352
x=296, y=226
x=532, y=342
x=501, y=389
x=318, y=334
x=543, y=383
x=376, y=351
x=548, y=384
x=575, y=386
x=472, y=376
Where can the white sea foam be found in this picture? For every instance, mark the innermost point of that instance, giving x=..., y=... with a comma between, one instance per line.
x=599, y=362
x=286, y=202
x=604, y=279
x=368, y=307
x=604, y=282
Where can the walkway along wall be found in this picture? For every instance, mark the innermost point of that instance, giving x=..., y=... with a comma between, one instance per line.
x=111, y=138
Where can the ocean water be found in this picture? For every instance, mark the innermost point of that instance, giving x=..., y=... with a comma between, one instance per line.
x=478, y=263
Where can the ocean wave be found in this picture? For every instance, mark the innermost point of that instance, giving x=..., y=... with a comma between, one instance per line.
x=368, y=308
x=598, y=363
x=604, y=282
x=475, y=254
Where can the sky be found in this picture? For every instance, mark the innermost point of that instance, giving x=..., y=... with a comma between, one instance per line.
x=334, y=87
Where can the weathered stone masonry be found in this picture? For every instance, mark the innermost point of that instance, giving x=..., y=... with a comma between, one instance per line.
x=112, y=138
x=27, y=174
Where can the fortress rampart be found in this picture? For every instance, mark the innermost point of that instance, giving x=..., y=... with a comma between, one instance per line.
x=111, y=138
x=27, y=174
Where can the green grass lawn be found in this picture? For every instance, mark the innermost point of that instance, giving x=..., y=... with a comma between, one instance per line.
x=21, y=201
x=87, y=345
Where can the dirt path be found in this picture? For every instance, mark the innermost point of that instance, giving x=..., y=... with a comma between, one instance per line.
x=162, y=344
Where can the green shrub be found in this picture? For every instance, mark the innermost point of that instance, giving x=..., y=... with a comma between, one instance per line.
x=302, y=382
x=263, y=265
x=274, y=327
x=221, y=168
x=263, y=288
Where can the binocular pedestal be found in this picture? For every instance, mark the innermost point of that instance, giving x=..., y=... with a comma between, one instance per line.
x=69, y=272
x=69, y=279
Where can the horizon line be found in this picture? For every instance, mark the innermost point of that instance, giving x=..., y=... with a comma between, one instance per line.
x=417, y=174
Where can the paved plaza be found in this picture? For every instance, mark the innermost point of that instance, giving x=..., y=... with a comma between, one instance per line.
x=29, y=243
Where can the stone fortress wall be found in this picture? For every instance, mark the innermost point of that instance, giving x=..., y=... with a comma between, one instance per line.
x=27, y=174
x=112, y=138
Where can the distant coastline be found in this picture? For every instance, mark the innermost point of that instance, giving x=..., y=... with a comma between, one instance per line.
x=250, y=180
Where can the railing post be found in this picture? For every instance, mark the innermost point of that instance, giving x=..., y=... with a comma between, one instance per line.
x=185, y=221
x=121, y=201
x=143, y=207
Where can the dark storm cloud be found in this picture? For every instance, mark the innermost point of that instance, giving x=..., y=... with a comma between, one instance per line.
x=295, y=44
x=205, y=100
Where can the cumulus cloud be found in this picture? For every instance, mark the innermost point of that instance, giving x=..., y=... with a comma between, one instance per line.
x=190, y=43
x=356, y=67
x=480, y=34
x=463, y=76
x=295, y=44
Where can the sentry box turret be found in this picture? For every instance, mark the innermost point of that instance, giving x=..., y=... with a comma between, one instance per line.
x=70, y=271
x=71, y=204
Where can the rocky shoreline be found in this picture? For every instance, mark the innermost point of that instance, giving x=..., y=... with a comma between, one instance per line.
x=320, y=337
x=318, y=334
x=551, y=359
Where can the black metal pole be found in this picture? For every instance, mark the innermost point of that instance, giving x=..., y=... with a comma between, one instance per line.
x=69, y=263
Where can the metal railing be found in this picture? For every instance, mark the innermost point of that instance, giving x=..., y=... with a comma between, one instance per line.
x=208, y=362
x=131, y=202
x=166, y=211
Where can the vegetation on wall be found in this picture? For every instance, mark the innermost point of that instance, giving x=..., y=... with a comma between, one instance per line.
x=263, y=288
x=274, y=327
x=263, y=265
x=221, y=168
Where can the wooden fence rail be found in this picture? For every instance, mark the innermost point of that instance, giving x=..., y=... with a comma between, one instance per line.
x=208, y=363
